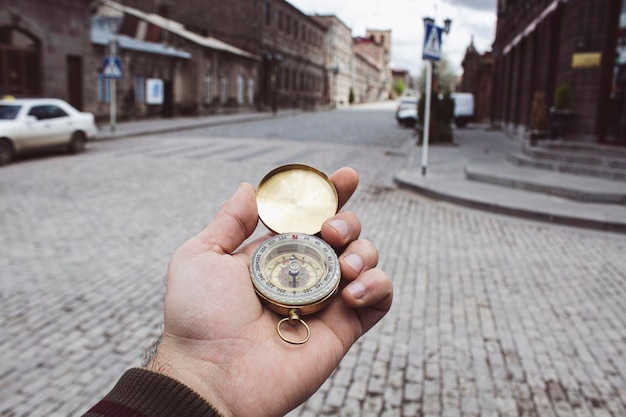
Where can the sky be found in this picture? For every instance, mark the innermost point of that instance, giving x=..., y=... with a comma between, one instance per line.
x=475, y=18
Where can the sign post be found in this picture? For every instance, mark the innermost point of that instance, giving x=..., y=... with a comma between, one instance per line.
x=431, y=52
x=112, y=70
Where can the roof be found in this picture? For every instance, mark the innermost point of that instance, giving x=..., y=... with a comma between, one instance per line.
x=102, y=36
x=178, y=29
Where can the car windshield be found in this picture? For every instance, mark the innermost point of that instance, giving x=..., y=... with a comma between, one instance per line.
x=9, y=112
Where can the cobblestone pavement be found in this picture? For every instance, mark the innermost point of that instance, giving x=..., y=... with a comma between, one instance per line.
x=493, y=316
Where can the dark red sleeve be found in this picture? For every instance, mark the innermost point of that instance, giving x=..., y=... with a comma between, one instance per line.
x=143, y=393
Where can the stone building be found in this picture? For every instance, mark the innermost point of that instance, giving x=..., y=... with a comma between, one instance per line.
x=542, y=46
x=289, y=43
x=197, y=74
x=43, y=46
x=367, y=69
x=477, y=79
x=338, y=59
x=383, y=39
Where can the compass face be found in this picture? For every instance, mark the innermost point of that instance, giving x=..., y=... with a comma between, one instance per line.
x=295, y=270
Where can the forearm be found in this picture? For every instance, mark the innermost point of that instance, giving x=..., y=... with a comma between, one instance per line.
x=144, y=393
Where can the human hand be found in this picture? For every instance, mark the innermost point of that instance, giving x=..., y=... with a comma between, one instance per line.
x=219, y=339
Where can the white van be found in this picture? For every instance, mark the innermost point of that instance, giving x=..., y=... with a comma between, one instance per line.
x=463, y=108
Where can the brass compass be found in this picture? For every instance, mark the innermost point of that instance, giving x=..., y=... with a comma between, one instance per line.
x=294, y=272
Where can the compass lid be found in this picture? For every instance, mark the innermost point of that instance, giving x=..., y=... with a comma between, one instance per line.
x=296, y=198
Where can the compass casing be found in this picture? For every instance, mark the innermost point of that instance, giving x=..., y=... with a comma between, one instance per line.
x=283, y=292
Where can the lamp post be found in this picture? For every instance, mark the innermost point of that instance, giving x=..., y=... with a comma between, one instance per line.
x=431, y=53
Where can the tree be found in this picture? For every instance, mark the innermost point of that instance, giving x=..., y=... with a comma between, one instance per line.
x=399, y=86
x=443, y=72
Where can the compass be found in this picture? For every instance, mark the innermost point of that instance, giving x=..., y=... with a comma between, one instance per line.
x=294, y=272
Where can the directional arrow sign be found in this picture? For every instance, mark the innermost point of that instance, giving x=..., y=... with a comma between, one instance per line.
x=112, y=67
x=432, y=43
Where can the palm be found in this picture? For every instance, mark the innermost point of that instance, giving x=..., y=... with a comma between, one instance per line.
x=228, y=339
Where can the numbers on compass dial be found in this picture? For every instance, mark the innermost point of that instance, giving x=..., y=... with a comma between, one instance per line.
x=298, y=271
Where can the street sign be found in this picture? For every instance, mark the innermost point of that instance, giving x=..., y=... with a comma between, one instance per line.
x=432, y=42
x=112, y=67
x=154, y=91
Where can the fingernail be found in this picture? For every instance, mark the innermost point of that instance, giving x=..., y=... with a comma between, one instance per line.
x=340, y=226
x=354, y=261
x=357, y=290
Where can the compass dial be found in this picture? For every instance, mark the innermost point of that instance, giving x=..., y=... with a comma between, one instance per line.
x=295, y=270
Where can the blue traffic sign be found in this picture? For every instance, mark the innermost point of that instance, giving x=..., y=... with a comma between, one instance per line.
x=432, y=42
x=112, y=67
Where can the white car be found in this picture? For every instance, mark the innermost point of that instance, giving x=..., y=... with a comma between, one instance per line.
x=31, y=124
x=406, y=112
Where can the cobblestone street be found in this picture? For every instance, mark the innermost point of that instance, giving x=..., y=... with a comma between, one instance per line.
x=493, y=316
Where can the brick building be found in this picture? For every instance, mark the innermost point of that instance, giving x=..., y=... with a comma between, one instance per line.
x=544, y=45
x=199, y=74
x=42, y=48
x=290, y=43
x=477, y=79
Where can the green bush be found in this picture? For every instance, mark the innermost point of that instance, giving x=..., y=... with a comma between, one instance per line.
x=441, y=115
x=563, y=97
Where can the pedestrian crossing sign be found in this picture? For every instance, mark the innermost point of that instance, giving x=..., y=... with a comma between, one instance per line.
x=112, y=67
x=432, y=43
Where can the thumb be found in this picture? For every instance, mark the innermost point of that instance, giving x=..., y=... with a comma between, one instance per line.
x=234, y=223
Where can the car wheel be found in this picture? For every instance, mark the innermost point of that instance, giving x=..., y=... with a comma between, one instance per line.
x=77, y=143
x=6, y=152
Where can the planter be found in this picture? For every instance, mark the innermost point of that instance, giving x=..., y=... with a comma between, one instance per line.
x=561, y=122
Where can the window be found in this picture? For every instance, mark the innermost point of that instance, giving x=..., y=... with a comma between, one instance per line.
x=267, y=11
x=280, y=20
x=240, y=90
x=296, y=26
x=48, y=111
x=224, y=90
x=250, y=91
x=288, y=25
x=140, y=89
x=208, y=89
x=104, y=89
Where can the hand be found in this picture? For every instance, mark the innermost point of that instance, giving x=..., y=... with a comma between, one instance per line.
x=219, y=339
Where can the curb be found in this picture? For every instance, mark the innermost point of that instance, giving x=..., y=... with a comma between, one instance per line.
x=564, y=220
x=192, y=125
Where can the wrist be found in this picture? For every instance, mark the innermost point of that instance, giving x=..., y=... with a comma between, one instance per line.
x=186, y=371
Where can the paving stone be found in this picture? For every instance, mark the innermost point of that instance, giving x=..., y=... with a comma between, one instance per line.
x=528, y=314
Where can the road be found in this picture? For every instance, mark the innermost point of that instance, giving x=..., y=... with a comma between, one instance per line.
x=493, y=316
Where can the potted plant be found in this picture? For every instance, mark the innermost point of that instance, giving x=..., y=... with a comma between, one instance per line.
x=561, y=115
x=538, y=118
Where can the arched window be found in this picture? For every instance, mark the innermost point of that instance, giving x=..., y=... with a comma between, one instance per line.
x=20, y=63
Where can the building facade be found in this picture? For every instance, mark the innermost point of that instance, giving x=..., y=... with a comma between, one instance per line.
x=289, y=43
x=43, y=46
x=338, y=59
x=383, y=39
x=195, y=75
x=477, y=79
x=195, y=57
x=545, y=46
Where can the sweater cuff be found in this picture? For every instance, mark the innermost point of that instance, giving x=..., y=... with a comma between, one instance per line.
x=143, y=393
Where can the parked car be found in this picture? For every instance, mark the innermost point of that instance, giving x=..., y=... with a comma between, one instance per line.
x=463, y=108
x=406, y=112
x=31, y=124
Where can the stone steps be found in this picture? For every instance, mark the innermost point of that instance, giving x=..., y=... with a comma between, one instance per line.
x=576, y=171
x=573, y=158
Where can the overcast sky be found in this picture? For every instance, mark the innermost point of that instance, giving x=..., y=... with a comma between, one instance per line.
x=405, y=19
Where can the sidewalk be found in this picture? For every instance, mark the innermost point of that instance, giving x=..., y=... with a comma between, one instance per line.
x=152, y=126
x=479, y=151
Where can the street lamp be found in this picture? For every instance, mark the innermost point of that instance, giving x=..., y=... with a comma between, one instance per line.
x=432, y=52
